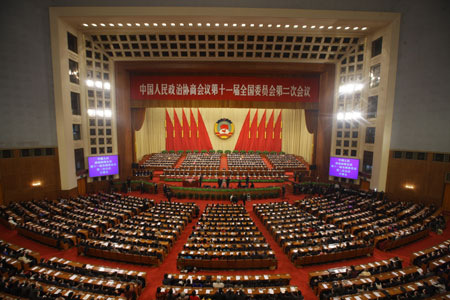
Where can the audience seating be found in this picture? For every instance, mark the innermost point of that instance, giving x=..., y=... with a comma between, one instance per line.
x=423, y=257
x=161, y=160
x=235, y=252
x=287, y=162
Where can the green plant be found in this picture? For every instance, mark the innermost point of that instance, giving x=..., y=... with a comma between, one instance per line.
x=164, y=151
x=219, y=151
x=204, y=151
x=235, y=151
x=227, y=151
x=195, y=151
x=212, y=151
x=180, y=151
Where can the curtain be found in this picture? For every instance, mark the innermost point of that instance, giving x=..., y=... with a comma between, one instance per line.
x=311, y=120
x=295, y=136
x=137, y=118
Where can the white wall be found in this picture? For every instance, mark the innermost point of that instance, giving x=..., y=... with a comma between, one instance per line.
x=421, y=106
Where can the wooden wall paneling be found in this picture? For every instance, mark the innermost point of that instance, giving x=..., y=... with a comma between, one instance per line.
x=81, y=186
x=446, y=200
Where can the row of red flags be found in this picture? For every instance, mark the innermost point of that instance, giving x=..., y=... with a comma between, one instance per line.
x=262, y=136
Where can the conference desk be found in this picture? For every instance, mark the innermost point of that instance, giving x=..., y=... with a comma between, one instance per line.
x=332, y=256
x=358, y=281
x=17, y=248
x=44, y=239
x=393, y=291
x=191, y=182
x=248, y=291
x=387, y=243
x=105, y=271
x=343, y=270
x=421, y=254
x=225, y=260
x=439, y=262
x=244, y=280
x=16, y=264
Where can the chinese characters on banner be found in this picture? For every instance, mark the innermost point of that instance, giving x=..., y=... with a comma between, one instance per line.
x=224, y=88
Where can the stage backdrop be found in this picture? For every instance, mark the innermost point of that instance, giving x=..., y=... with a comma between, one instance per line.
x=151, y=138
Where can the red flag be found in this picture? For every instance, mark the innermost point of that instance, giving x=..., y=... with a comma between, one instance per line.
x=205, y=142
x=194, y=133
x=169, y=132
x=269, y=134
x=277, y=135
x=178, y=139
x=252, y=142
x=186, y=133
x=262, y=133
x=242, y=141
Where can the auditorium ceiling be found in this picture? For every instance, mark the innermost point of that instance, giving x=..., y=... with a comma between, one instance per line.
x=227, y=38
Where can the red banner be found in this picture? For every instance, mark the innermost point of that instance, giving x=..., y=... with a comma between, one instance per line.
x=225, y=88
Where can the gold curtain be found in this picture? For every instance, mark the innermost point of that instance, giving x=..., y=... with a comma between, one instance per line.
x=137, y=118
x=151, y=138
x=296, y=138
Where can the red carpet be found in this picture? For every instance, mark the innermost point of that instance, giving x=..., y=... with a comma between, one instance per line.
x=223, y=162
x=155, y=275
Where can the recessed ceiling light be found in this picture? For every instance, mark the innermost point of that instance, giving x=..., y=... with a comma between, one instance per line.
x=252, y=25
x=278, y=25
x=181, y=24
x=119, y=24
x=208, y=24
x=164, y=24
x=172, y=24
x=102, y=24
x=190, y=24
x=313, y=26
x=364, y=28
x=243, y=24
x=261, y=25
x=85, y=25
x=146, y=24
x=137, y=24
x=199, y=24
x=330, y=27
x=355, y=28
x=155, y=24
x=225, y=24
x=287, y=26
x=304, y=26
x=234, y=25
x=269, y=25
x=321, y=27
x=93, y=24
x=295, y=26
x=347, y=27
x=339, y=27
x=129, y=24
x=217, y=24
x=111, y=24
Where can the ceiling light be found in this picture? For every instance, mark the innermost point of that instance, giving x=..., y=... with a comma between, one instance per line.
x=172, y=24
x=119, y=24
x=217, y=24
x=208, y=24
x=409, y=186
x=243, y=24
x=91, y=112
x=93, y=24
x=339, y=27
x=278, y=25
x=261, y=25
x=138, y=24
x=155, y=24
x=129, y=24
x=350, y=88
x=269, y=25
x=164, y=24
x=313, y=26
x=98, y=84
x=321, y=27
x=234, y=24
x=340, y=116
x=364, y=28
x=181, y=24
x=252, y=25
x=85, y=25
x=199, y=24
x=347, y=27
x=287, y=26
x=108, y=113
x=226, y=24
x=89, y=83
x=107, y=86
x=355, y=28
x=99, y=112
x=190, y=24
x=111, y=24
x=304, y=26
x=36, y=183
x=146, y=24
x=295, y=26
x=330, y=27
x=102, y=24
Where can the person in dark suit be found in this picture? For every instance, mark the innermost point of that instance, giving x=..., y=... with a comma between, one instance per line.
x=219, y=182
x=129, y=184
x=247, y=180
x=227, y=181
x=200, y=180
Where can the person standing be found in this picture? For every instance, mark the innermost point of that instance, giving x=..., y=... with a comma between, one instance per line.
x=247, y=180
x=169, y=195
x=129, y=184
x=219, y=182
x=227, y=181
x=200, y=180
